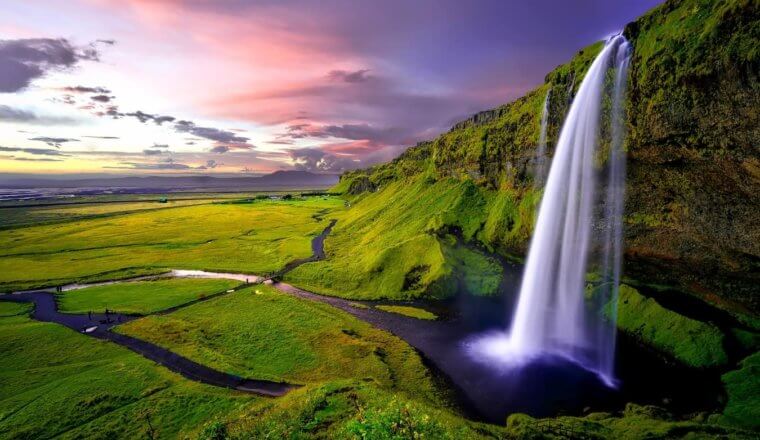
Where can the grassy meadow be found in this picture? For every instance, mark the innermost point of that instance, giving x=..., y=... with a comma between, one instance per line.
x=141, y=297
x=255, y=237
x=262, y=333
x=55, y=382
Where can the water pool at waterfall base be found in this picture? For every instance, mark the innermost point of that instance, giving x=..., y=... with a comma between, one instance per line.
x=502, y=353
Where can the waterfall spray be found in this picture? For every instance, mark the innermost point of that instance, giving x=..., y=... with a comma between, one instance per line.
x=552, y=314
x=541, y=159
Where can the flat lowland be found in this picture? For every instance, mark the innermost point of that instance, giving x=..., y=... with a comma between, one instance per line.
x=55, y=382
x=255, y=237
x=141, y=297
x=272, y=335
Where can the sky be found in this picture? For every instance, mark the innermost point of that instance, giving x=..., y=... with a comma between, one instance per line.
x=251, y=87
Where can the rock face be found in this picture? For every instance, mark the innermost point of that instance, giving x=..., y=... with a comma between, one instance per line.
x=693, y=183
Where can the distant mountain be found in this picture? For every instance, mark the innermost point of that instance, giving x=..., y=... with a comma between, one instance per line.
x=276, y=180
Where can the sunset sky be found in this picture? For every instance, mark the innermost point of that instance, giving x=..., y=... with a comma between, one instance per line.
x=201, y=86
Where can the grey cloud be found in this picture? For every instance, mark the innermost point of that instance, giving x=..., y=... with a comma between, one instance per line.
x=348, y=76
x=16, y=115
x=213, y=134
x=149, y=152
x=152, y=166
x=28, y=159
x=211, y=164
x=84, y=89
x=220, y=149
x=35, y=151
x=24, y=60
x=53, y=141
x=101, y=137
x=101, y=98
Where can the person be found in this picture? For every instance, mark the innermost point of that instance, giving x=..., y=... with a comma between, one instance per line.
x=89, y=315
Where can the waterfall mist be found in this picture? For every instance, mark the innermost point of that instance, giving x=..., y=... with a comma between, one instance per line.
x=555, y=315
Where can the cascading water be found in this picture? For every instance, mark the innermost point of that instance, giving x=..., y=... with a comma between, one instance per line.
x=541, y=159
x=552, y=315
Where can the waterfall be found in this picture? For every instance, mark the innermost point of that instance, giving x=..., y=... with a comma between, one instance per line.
x=552, y=314
x=541, y=159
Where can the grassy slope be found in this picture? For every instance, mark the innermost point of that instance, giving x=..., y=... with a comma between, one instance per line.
x=393, y=244
x=54, y=381
x=141, y=297
x=257, y=237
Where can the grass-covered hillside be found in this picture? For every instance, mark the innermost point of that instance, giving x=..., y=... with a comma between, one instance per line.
x=693, y=170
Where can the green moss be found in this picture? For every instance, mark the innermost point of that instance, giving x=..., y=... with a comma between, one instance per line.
x=413, y=312
x=692, y=342
x=636, y=422
x=742, y=385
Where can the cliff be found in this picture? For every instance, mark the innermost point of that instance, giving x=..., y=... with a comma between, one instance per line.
x=692, y=212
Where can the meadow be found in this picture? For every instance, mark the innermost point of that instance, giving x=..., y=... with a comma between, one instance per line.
x=141, y=297
x=256, y=236
x=55, y=382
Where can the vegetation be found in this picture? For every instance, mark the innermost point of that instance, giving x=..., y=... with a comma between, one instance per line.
x=743, y=407
x=694, y=343
x=258, y=237
x=310, y=343
x=412, y=312
x=398, y=244
x=13, y=217
x=141, y=297
x=635, y=422
x=55, y=382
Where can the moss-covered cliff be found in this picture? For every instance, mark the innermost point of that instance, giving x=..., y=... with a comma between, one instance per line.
x=693, y=187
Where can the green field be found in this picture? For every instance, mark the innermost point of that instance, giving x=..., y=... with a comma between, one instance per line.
x=274, y=336
x=141, y=297
x=257, y=237
x=55, y=382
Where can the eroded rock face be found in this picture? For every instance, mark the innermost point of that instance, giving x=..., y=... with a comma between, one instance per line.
x=693, y=182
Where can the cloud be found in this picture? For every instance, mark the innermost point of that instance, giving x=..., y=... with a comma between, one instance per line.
x=212, y=164
x=84, y=89
x=10, y=114
x=53, y=141
x=214, y=134
x=30, y=159
x=149, y=152
x=101, y=98
x=151, y=166
x=35, y=151
x=316, y=160
x=356, y=76
x=22, y=61
x=101, y=137
x=160, y=145
x=221, y=149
